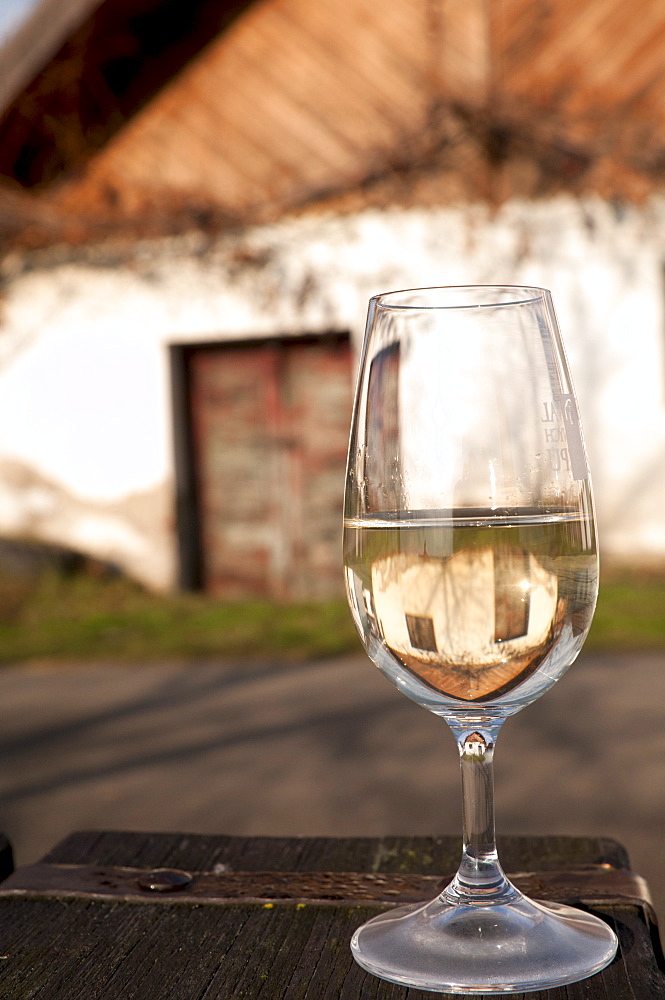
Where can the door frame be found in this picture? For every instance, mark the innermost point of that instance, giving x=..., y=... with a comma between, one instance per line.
x=188, y=520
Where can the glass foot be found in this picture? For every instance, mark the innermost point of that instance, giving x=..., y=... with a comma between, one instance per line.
x=516, y=947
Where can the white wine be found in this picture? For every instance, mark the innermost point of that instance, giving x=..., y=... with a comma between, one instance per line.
x=472, y=603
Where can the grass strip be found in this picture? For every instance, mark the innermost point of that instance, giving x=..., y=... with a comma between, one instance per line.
x=80, y=616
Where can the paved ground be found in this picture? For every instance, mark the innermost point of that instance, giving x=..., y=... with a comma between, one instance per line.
x=322, y=748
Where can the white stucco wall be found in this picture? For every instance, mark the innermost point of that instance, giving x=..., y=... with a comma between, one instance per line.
x=85, y=409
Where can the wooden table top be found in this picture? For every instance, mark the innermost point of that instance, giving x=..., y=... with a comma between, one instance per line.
x=271, y=918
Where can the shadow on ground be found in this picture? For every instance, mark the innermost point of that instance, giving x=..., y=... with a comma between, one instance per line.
x=323, y=748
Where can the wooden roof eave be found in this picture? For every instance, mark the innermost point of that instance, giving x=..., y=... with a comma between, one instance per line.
x=36, y=41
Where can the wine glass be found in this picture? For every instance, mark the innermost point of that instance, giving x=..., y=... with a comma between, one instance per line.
x=471, y=571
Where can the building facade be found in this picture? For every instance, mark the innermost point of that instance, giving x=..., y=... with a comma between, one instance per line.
x=183, y=305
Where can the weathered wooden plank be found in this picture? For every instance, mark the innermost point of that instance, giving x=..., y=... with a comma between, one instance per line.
x=593, y=883
x=638, y=970
x=259, y=951
x=273, y=949
x=420, y=855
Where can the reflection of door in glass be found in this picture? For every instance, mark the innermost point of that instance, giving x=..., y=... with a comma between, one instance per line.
x=269, y=424
x=382, y=468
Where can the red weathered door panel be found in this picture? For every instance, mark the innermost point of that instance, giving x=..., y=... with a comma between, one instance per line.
x=270, y=429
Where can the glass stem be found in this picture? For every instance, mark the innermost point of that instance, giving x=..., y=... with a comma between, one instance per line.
x=480, y=878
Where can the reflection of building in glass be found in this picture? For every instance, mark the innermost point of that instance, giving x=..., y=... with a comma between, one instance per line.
x=382, y=478
x=469, y=624
x=476, y=746
x=583, y=600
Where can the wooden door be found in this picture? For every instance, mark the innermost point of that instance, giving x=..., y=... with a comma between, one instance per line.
x=270, y=424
